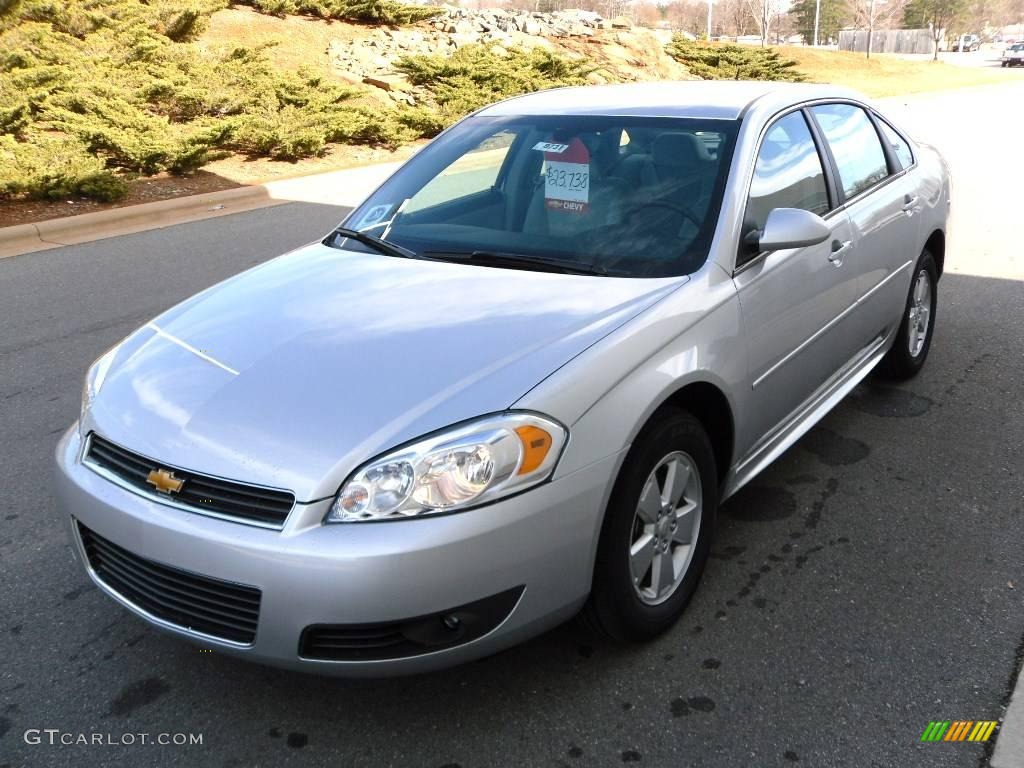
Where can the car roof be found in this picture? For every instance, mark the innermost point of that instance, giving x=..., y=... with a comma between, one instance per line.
x=716, y=99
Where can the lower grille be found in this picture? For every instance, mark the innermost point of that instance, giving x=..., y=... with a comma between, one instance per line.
x=411, y=637
x=213, y=607
x=204, y=494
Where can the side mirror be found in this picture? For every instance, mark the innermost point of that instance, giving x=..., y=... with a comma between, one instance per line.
x=789, y=228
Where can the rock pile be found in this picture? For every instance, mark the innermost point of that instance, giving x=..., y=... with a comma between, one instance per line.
x=624, y=52
x=496, y=23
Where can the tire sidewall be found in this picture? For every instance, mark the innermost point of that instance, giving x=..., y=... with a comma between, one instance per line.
x=926, y=263
x=898, y=363
x=621, y=611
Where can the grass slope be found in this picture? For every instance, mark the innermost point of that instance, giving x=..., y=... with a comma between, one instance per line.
x=886, y=74
x=93, y=92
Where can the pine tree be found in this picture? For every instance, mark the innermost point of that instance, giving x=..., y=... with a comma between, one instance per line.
x=936, y=14
x=834, y=15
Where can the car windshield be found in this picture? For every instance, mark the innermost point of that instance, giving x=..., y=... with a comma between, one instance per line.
x=621, y=196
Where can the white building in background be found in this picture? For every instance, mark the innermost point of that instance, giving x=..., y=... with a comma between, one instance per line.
x=1011, y=33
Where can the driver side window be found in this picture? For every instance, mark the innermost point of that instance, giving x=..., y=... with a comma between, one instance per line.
x=788, y=174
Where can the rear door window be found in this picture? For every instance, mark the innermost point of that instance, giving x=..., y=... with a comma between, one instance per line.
x=855, y=146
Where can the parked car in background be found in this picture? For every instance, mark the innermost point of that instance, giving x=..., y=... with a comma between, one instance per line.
x=1013, y=55
x=966, y=43
x=515, y=384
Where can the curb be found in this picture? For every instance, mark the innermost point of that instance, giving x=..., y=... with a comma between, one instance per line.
x=1009, y=749
x=86, y=227
x=342, y=188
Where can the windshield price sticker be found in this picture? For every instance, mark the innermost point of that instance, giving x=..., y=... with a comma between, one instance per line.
x=567, y=186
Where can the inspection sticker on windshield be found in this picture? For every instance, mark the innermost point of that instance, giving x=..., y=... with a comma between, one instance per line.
x=547, y=146
x=567, y=186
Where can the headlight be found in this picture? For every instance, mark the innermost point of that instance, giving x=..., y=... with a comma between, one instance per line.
x=94, y=378
x=459, y=468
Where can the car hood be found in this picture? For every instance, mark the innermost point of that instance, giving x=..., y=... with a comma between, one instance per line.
x=292, y=374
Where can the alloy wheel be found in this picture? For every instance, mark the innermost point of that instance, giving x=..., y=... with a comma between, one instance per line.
x=918, y=313
x=665, y=527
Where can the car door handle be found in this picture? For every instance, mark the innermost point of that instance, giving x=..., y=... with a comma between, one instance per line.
x=838, y=249
x=909, y=203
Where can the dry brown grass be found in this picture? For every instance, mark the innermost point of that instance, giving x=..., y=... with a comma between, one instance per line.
x=300, y=41
x=886, y=74
x=241, y=170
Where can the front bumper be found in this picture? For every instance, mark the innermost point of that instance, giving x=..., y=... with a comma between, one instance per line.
x=542, y=541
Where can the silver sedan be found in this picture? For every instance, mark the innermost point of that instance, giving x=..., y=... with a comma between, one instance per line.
x=515, y=385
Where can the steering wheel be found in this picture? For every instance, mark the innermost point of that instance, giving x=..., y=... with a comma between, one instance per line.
x=684, y=211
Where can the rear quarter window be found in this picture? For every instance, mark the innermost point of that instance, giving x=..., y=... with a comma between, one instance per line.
x=899, y=145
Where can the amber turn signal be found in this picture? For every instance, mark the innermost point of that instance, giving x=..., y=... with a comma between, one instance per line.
x=536, y=444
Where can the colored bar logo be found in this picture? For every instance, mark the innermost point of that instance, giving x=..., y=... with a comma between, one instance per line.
x=959, y=730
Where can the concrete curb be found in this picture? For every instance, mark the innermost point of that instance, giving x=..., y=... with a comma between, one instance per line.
x=1009, y=751
x=72, y=230
x=343, y=188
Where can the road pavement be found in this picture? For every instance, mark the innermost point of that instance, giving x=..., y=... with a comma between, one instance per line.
x=868, y=582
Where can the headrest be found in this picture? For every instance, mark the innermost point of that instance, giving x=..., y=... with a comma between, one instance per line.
x=683, y=150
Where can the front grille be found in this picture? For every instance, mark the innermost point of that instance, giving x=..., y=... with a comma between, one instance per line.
x=410, y=637
x=213, y=607
x=204, y=494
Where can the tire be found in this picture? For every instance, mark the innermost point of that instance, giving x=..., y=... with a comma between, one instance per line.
x=909, y=351
x=622, y=606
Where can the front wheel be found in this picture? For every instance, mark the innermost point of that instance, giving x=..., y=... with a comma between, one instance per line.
x=914, y=337
x=657, y=530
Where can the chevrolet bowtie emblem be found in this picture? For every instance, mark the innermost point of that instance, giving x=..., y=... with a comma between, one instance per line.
x=164, y=481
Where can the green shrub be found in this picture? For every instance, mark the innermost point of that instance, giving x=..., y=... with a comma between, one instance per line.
x=128, y=98
x=724, y=61
x=478, y=75
x=53, y=168
x=185, y=24
x=8, y=12
x=275, y=7
x=366, y=11
x=96, y=91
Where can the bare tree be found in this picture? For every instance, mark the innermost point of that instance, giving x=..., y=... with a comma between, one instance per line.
x=764, y=13
x=887, y=14
x=645, y=14
x=687, y=15
x=736, y=15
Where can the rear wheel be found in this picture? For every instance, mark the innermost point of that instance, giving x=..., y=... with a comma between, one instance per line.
x=914, y=337
x=657, y=530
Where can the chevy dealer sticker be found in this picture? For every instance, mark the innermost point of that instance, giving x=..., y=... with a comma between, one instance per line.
x=567, y=187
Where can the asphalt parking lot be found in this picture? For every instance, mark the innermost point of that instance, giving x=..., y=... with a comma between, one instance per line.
x=868, y=582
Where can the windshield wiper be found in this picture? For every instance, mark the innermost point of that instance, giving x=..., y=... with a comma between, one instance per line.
x=381, y=246
x=518, y=261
